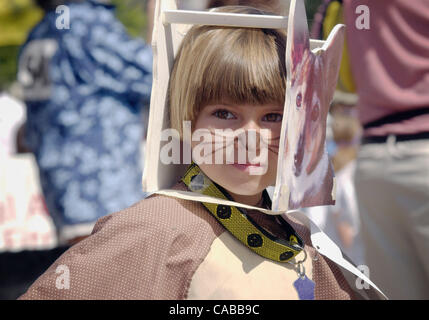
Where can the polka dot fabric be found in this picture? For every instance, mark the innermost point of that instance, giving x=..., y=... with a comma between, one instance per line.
x=147, y=251
x=151, y=251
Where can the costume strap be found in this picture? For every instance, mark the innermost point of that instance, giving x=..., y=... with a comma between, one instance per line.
x=240, y=225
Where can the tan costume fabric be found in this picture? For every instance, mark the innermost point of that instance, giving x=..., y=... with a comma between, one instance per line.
x=395, y=224
x=169, y=248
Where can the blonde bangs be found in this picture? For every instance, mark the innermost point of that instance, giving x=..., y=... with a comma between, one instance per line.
x=229, y=65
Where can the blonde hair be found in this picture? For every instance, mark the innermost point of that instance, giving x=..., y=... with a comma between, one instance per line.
x=268, y=5
x=227, y=64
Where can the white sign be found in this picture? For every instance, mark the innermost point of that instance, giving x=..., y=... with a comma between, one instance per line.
x=24, y=219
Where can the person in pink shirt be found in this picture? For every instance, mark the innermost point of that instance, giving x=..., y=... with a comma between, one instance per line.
x=389, y=52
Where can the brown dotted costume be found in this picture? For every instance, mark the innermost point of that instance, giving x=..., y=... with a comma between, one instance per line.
x=153, y=250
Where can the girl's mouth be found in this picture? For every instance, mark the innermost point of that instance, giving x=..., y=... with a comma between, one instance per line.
x=245, y=166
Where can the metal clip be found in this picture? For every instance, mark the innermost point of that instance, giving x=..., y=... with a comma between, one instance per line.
x=300, y=269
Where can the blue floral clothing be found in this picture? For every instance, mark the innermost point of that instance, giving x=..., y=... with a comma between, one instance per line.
x=84, y=89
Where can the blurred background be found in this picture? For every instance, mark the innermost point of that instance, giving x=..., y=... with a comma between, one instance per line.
x=18, y=17
x=34, y=231
x=74, y=105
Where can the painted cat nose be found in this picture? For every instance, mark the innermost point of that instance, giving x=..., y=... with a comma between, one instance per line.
x=249, y=135
x=251, y=125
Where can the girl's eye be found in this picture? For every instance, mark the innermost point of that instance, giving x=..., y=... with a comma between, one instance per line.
x=223, y=114
x=273, y=117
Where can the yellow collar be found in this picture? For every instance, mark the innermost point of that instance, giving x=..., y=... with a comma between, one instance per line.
x=240, y=225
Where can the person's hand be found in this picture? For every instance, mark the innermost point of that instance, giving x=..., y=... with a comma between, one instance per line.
x=21, y=147
x=346, y=234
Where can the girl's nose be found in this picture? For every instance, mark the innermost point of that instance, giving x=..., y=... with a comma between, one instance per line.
x=250, y=135
x=251, y=125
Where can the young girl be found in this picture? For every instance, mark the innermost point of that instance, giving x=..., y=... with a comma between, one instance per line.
x=169, y=248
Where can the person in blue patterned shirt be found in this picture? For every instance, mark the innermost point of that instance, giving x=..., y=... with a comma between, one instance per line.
x=85, y=82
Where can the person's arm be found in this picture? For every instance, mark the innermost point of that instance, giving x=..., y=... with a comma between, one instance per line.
x=344, y=229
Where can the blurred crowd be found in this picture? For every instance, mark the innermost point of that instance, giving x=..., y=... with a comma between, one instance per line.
x=73, y=123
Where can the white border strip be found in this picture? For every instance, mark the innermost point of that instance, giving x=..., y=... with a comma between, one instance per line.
x=224, y=19
x=231, y=20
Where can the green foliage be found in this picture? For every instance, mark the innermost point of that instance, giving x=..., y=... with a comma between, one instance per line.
x=8, y=65
x=17, y=18
x=132, y=13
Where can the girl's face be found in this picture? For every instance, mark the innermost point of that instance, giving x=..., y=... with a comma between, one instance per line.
x=238, y=124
